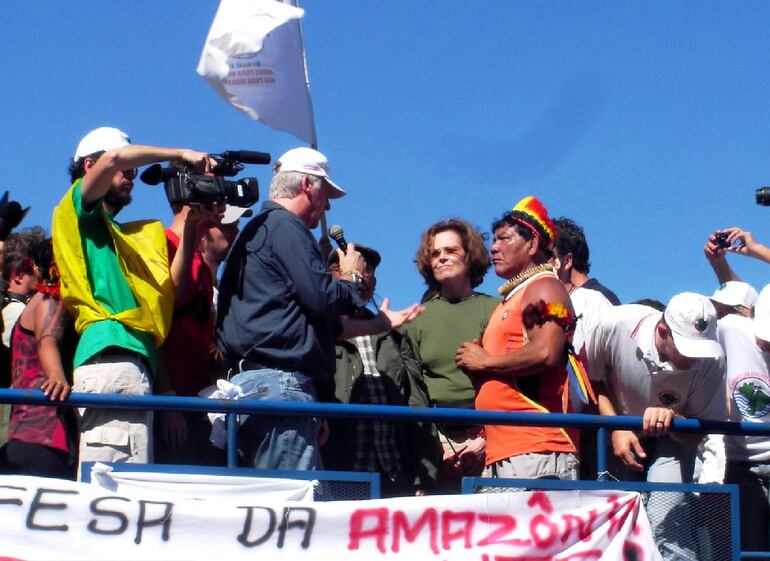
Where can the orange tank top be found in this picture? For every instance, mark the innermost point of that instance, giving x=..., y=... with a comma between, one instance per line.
x=542, y=392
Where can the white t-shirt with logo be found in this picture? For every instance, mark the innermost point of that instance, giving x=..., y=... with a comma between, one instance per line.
x=622, y=353
x=748, y=388
x=589, y=305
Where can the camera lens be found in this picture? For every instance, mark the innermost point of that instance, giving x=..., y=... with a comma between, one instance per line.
x=763, y=196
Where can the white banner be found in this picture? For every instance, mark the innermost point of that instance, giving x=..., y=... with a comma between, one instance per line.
x=198, y=487
x=254, y=57
x=45, y=519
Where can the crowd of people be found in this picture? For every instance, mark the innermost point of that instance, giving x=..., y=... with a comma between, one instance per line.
x=135, y=308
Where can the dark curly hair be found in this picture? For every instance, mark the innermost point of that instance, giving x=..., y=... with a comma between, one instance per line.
x=572, y=240
x=476, y=251
x=18, y=250
x=42, y=257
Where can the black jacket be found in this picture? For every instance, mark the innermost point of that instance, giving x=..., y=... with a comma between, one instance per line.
x=278, y=305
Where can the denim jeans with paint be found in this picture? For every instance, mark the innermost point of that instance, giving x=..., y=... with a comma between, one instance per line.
x=267, y=442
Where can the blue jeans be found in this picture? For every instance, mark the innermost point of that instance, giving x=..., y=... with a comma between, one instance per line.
x=268, y=442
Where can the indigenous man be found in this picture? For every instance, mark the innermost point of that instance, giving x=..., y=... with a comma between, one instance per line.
x=519, y=363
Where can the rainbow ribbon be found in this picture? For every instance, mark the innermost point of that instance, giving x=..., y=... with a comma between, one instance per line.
x=578, y=377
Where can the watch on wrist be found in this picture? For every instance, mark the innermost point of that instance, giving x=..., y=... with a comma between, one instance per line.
x=355, y=277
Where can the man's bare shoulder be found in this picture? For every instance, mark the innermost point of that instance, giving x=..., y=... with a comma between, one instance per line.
x=549, y=289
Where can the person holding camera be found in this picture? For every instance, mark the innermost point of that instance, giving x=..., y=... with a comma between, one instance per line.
x=185, y=355
x=732, y=240
x=279, y=311
x=116, y=283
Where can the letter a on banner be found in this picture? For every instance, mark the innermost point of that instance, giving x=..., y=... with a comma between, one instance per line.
x=254, y=57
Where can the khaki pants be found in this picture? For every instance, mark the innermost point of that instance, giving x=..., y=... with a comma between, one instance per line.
x=553, y=465
x=5, y=414
x=114, y=435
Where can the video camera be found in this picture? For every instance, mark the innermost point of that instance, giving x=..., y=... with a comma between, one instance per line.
x=183, y=187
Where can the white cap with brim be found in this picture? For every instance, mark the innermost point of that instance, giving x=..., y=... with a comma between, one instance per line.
x=311, y=162
x=735, y=293
x=101, y=139
x=762, y=315
x=692, y=320
x=235, y=213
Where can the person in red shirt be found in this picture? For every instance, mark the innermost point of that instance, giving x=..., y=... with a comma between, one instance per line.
x=185, y=359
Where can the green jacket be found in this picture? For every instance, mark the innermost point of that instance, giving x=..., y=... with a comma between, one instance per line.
x=401, y=372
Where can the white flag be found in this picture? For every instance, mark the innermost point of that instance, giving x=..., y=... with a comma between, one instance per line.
x=254, y=57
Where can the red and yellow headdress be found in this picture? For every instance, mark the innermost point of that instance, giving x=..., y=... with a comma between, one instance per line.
x=531, y=213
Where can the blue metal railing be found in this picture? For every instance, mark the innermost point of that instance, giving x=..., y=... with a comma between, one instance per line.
x=392, y=412
x=398, y=413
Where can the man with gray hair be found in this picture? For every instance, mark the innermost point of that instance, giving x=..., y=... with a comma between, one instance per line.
x=279, y=311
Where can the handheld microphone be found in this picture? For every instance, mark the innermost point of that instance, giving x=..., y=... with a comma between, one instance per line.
x=247, y=156
x=336, y=233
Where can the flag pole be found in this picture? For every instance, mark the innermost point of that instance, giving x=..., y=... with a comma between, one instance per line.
x=324, y=241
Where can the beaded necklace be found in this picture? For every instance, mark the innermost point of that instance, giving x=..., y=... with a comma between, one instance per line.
x=512, y=283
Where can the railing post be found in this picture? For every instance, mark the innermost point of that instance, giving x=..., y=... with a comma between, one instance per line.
x=232, y=439
x=601, y=453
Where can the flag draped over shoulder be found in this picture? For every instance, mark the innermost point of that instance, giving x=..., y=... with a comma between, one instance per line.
x=254, y=57
x=143, y=258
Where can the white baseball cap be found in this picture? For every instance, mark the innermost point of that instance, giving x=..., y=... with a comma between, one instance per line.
x=311, y=162
x=692, y=320
x=736, y=293
x=762, y=315
x=101, y=139
x=235, y=213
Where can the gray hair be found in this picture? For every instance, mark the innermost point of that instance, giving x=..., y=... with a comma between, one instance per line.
x=286, y=184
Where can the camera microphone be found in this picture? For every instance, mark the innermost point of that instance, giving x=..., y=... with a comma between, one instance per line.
x=336, y=233
x=247, y=156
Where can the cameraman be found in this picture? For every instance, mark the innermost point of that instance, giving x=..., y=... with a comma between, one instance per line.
x=185, y=354
x=732, y=240
x=116, y=284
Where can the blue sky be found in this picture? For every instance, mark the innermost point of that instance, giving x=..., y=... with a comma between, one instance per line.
x=646, y=122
